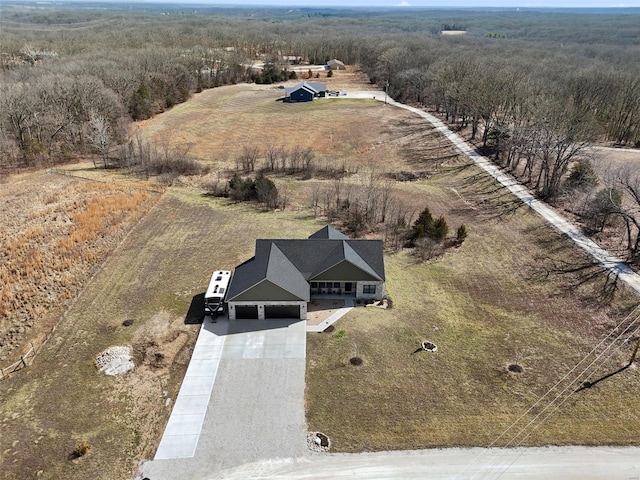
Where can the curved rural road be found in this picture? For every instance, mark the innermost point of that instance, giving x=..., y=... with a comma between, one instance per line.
x=602, y=256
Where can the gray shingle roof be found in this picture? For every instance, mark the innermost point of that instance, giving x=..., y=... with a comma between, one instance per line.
x=317, y=86
x=290, y=264
x=290, y=90
x=313, y=87
x=329, y=232
x=283, y=273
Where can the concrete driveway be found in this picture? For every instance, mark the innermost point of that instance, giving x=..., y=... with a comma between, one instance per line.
x=255, y=408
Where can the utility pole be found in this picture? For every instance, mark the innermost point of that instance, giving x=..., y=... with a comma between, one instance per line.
x=386, y=86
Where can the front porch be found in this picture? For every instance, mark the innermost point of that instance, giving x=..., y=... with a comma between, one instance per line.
x=333, y=288
x=363, y=290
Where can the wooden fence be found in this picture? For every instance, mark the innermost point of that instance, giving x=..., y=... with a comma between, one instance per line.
x=20, y=364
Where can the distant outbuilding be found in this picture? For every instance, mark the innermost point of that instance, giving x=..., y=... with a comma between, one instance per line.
x=336, y=65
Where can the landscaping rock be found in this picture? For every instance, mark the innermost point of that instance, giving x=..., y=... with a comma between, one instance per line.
x=115, y=361
x=318, y=442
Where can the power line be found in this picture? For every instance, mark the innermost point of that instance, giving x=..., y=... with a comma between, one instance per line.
x=583, y=372
x=635, y=313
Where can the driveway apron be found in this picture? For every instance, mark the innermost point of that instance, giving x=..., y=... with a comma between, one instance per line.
x=256, y=407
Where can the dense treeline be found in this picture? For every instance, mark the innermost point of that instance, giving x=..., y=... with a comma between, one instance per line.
x=74, y=78
x=533, y=111
x=531, y=88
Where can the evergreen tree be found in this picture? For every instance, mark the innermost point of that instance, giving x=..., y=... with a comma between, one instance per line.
x=438, y=230
x=461, y=234
x=422, y=225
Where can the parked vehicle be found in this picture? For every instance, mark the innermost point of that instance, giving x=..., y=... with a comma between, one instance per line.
x=216, y=292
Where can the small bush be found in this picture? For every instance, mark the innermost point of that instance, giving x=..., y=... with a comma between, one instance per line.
x=461, y=234
x=82, y=448
x=389, y=301
x=583, y=175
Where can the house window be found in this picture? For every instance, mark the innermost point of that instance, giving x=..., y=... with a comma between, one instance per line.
x=336, y=284
x=314, y=284
x=371, y=289
x=322, y=285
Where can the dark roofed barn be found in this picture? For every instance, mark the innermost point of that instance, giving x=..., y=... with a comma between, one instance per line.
x=284, y=274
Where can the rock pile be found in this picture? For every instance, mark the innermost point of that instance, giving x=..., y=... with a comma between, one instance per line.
x=318, y=442
x=114, y=361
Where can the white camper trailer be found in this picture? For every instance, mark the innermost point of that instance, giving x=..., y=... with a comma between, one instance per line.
x=216, y=292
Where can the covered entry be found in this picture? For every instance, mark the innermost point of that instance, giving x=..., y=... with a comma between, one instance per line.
x=281, y=311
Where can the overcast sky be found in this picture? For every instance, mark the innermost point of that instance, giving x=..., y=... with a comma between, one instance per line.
x=424, y=3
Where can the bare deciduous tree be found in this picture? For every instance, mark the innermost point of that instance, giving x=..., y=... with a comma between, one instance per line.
x=627, y=178
x=100, y=137
x=246, y=161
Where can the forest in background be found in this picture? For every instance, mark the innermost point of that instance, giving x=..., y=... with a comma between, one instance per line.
x=531, y=89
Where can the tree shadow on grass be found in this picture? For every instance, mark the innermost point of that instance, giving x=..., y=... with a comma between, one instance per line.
x=493, y=197
x=575, y=275
x=195, y=314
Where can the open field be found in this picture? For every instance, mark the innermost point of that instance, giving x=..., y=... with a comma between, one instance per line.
x=218, y=123
x=505, y=295
x=150, y=279
x=55, y=231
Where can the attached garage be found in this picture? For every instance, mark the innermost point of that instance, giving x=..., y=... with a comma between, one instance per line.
x=281, y=311
x=277, y=281
x=246, y=311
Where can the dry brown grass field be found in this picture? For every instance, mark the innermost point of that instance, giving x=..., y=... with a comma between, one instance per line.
x=218, y=123
x=499, y=297
x=56, y=230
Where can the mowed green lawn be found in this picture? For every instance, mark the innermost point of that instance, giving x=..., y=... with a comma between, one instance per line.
x=505, y=296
